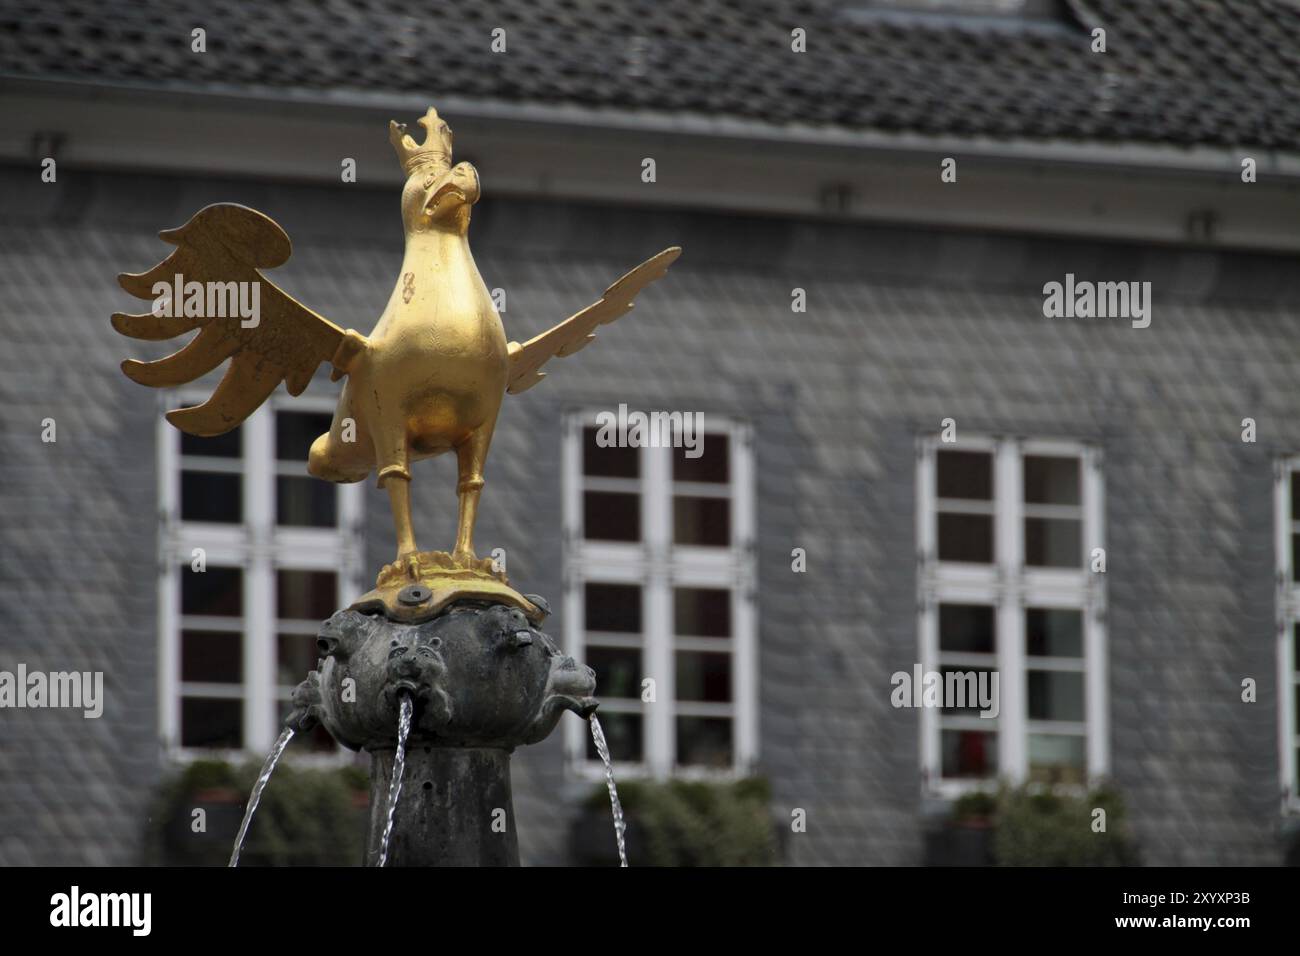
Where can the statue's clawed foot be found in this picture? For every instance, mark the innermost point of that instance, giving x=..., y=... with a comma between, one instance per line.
x=410, y=561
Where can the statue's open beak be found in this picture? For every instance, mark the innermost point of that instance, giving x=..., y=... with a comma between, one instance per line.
x=445, y=190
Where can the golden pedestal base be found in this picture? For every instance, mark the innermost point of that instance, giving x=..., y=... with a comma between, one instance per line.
x=421, y=585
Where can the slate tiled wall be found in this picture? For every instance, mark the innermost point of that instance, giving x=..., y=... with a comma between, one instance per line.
x=904, y=327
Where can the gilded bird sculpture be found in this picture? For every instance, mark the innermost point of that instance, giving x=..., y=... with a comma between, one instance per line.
x=429, y=378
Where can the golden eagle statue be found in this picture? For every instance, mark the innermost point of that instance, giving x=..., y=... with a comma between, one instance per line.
x=429, y=379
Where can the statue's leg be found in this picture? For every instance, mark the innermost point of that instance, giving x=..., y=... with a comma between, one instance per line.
x=399, y=498
x=470, y=455
x=393, y=457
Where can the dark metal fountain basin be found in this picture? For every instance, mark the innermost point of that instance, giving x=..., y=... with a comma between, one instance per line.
x=483, y=680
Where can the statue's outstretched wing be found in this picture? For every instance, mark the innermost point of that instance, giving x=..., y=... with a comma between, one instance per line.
x=222, y=248
x=578, y=330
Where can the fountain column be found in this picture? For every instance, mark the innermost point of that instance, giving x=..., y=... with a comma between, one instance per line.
x=454, y=810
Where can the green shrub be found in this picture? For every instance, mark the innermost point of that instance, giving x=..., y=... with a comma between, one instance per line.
x=695, y=823
x=307, y=817
x=1040, y=828
x=976, y=805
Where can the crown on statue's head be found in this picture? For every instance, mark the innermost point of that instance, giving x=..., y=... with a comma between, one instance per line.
x=435, y=153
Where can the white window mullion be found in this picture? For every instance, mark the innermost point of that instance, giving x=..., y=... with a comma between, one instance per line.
x=931, y=752
x=657, y=611
x=926, y=512
x=1095, y=656
x=575, y=735
x=926, y=600
x=1008, y=486
x=1013, y=745
x=744, y=681
x=351, y=537
x=169, y=598
x=744, y=613
x=1283, y=519
x=169, y=606
x=259, y=581
x=1284, y=474
x=571, y=492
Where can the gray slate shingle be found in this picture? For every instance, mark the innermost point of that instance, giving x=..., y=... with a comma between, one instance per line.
x=1180, y=72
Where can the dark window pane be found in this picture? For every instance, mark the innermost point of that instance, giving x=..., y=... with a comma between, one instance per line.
x=228, y=445
x=214, y=591
x=702, y=612
x=967, y=693
x=1295, y=496
x=295, y=431
x=295, y=657
x=618, y=670
x=1051, y=480
x=614, y=607
x=703, y=676
x=703, y=521
x=212, y=496
x=966, y=628
x=611, y=462
x=966, y=538
x=713, y=463
x=1057, y=758
x=622, y=734
x=610, y=516
x=212, y=657
x=704, y=742
x=305, y=502
x=969, y=754
x=306, y=595
x=965, y=474
x=1053, y=632
x=1053, y=542
x=1055, y=695
x=1295, y=557
x=208, y=722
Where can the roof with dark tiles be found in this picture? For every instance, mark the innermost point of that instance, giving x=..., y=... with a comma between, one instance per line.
x=1181, y=72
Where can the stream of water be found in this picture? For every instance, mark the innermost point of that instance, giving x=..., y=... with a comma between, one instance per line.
x=267, y=769
x=395, y=783
x=602, y=748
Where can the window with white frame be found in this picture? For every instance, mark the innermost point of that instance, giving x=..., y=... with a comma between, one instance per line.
x=659, y=598
x=1011, y=581
x=255, y=554
x=1287, y=511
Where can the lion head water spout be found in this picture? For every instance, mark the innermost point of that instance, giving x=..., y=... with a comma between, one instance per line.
x=440, y=701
